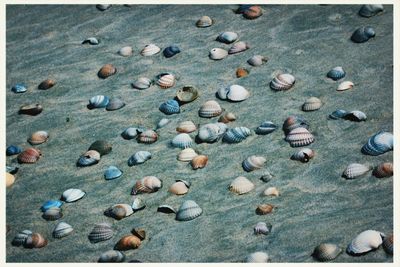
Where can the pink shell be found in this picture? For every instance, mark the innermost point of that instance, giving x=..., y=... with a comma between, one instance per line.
x=30, y=155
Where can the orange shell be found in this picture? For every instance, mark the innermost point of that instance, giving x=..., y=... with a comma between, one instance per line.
x=264, y=209
x=241, y=72
x=253, y=12
x=199, y=162
x=128, y=242
x=178, y=188
x=35, y=241
x=106, y=71
x=10, y=179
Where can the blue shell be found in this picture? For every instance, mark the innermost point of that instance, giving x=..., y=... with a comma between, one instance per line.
x=363, y=34
x=13, y=150
x=112, y=172
x=99, y=101
x=338, y=114
x=266, y=127
x=336, y=73
x=171, y=51
x=50, y=204
x=19, y=88
x=378, y=144
x=170, y=107
x=139, y=158
x=236, y=135
x=86, y=161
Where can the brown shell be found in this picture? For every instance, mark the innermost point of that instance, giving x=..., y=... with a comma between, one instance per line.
x=227, y=117
x=35, y=240
x=30, y=155
x=264, y=209
x=10, y=179
x=38, y=137
x=241, y=72
x=252, y=12
x=140, y=233
x=199, y=162
x=47, y=84
x=106, y=71
x=31, y=109
x=383, y=170
x=388, y=244
x=128, y=242
x=148, y=184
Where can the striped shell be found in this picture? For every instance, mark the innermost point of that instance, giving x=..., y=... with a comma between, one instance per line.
x=90, y=157
x=170, y=107
x=147, y=137
x=262, y=228
x=218, y=54
x=363, y=34
x=51, y=204
x=189, y=210
x=19, y=88
x=187, y=94
x=365, y=242
x=383, y=170
x=257, y=60
x=179, y=188
x=253, y=163
x=266, y=127
x=355, y=170
x=346, y=85
x=336, y=73
x=271, y=191
x=38, y=137
x=142, y=83
x=112, y=256
x=234, y=93
x=299, y=137
x=101, y=232
x=355, y=115
x=91, y=40
x=227, y=117
x=31, y=109
x=378, y=144
x=119, y=211
x=293, y=122
x=182, y=140
x=21, y=237
x=241, y=185
x=186, y=127
x=370, y=10
x=163, y=122
x=326, y=252
x=10, y=179
x=242, y=72
x=138, y=204
x=338, y=114
x=236, y=135
x=388, y=244
x=62, y=229
x=282, y=82
x=115, y=104
x=13, y=150
x=139, y=158
x=238, y=47
x=148, y=184
x=187, y=154
x=257, y=257
x=112, y=172
x=199, y=162
x=171, y=51
x=52, y=214
x=128, y=242
x=210, y=109
x=252, y=12
x=311, y=104
x=149, y=50
x=101, y=146
x=303, y=155
x=227, y=37
x=204, y=21
x=99, y=101
x=264, y=209
x=131, y=132
x=29, y=155
x=35, y=240
x=47, y=84
x=72, y=195
x=106, y=71
x=211, y=132
x=166, y=80
x=125, y=51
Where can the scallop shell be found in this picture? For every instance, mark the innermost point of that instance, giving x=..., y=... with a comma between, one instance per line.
x=148, y=184
x=112, y=172
x=311, y=104
x=182, y=140
x=218, y=54
x=293, y=122
x=262, y=228
x=99, y=101
x=115, y=104
x=252, y=12
x=35, y=240
x=227, y=117
x=19, y=88
x=264, y=209
x=241, y=185
x=338, y=114
x=139, y=158
x=62, y=229
x=271, y=191
x=363, y=34
x=346, y=85
x=162, y=123
x=257, y=60
x=119, y=211
x=189, y=210
x=238, y=47
x=179, y=188
x=186, y=127
x=103, y=7
x=101, y=232
x=125, y=51
x=10, y=179
x=147, y=137
x=282, y=82
x=170, y=107
x=234, y=93
x=253, y=163
x=138, y=204
x=132, y=132
x=29, y=155
x=166, y=80
x=171, y=51
x=227, y=37
x=72, y=195
x=257, y=257
x=91, y=40
x=303, y=155
x=47, y=84
x=378, y=144
x=370, y=10
x=355, y=170
x=166, y=209
x=187, y=154
x=140, y=233
x=242, y=72
x=365, y=242
x=112, y=256
x=21, y=237
x=388, y=244
x=336, y=73
x=355, y=115
x=52, y=214
x=326, y=252
x=13, y=150
x=90, y=157
x=199, y=162
x=299, y=137
x=383, y=170
x=211, y=132
x=32, y=109
x=128, y=242
x=106, y=71
x=50, y=204
x=236, y=135
x=266, y=127
x=187, y=94
x=38, y=137
x=101, y=146
x=149, y=50
x=142, y=83
x=210, y=109
x=204, y=21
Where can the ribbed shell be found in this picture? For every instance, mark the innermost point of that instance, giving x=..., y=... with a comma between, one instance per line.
x=52, y=214
x=119, y=211
x=262, y=228
x=187, y=154
x=238, y=47
x=282, y=82
x=101, y=146
x=112, y=256
x=106, y=71
x=125, y=51
x=10, y=179
x=365, y=242
x=326, y=252
x=99, y=101
x=218, y=54
x=264, y=209
x=170, y=107
x=171, y=51
x=178, y=188
x=236, y=135
x=186, y=127
x=311, y=104
x=29, y=155
x=115, y=104
x=189, y=210
x=148, y=184
x=47, y=84
x=21, y=237
x=355, y=170
x=257, y=257
x=210, y=109
x=90, y=157
x=13, y=150
x=378, y=144
x=128, y=242
x=227, y=37
x=142, y=83
x=346, y=85
x=211, y=132
x=303, y=155
x=241, y=185
x=388, y=244
x=234, y=93
x=72, y=195
x=252, y=12
x=101, y=232
x=336, y=73
x=139, y=158
x=253, y=163
x=149, y=50
x=147, y=137
x=38, y=137
x=182, y=140
x=293, y=122
x=227, y=117
x=266, y=127
x=204, y=21
x=166, y=80
x=299, y=137
x=257, y=60
x=383, y=170
x=199, y=162
x=35, y=240
x=363, y=34
x=31, y=109
x=19, y=88
x=112, y=172
x=271, y=191
x=187, y=94
x=62, y=229
x=370, y=10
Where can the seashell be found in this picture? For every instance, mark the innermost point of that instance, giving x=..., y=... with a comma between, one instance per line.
x=148, y=184
x=149, y=50
x=336, y=73
x=227, y=117
x=218, y=54
x=170, y=107
x=355, y=170
x=139, y=158
x=204, y=21
x=162, y=123
x=253, y=163
x=115, y=104
x=125, y=51
x=338, y=114
x=227, y=37
x=311, y=104
x=326, y=252
x=262, y=228
x=90, y=158
x=252, y=12
x=282, y=82
x=383, y=170
x=266, y=127
x=388, y=244
x=99, y=101
x=242, y=8
x=234, y=93
x=210, y=109
x=147, y=137
x=119, y=211
x=166, y=209
x=378, y=144
x=10, y=179
x=257, y=60
x=19, y=88
x=128, y=242
x=132, y=132
x=103, y=7
x=140, y=233
x=101, y=232
x=299, y=137
x=106, y=71
x=303, y=155
x=238, y=47
x=264, y=209
x=21, y=237
x=112, y=172
x=365, y=242
x=186, y=127
x=355, y=115
x=363, y=34
x=242, y=72
x=62, y=229
x=370, y=10
x=72, y=195
x=142, y=83
x=50, y=204
x=187, y=94
x=112, y=256
x=236, y=135
x=271, y=191
x=257, y=257
x=182, y=140
x=211, y=132
x=52, y=214
x=346, y=85
x=47, y=84
x=187, y=154
x=13, y=150
x=189, y=210
x=171, y=51
x=199, y=162
x=241, y=185
x=38, y=137
x=101, y=146
x=293, y=122
x=29, y=155
x=12, y=169
x=35, y=240
x=32, y=109
x=179, y=188
x=138, y=204
x=91, y=40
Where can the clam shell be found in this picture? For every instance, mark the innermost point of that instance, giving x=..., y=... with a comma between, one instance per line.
x=252, y=12
x=186, y=127
x=187, y=154
x=227, y=117
x=148, y=184
x=262, y=228
x=115, y=104
x=38, y=137
x=346, y=85
x=140, y=233
x=236, y=135
x=62, y=229
x=365, y=242
x=241, y=185
x=363, y=34
x=99, y=101
x=147, y=137
x=29, y=155
x=119, y=211
x=326, y=252
x=166, y=80
x=32, y=109
x=128, y=242
x=10, y=179
x=52, y=214
x=101, y=232
x=238, y=47
x=170, y=107
x=125, y=51
x=35, y=240
x=271, y=191
x=162, y=123
x=370, y=10
x=21, y=237
x=166, y=209
x=47, y=84
x=355, y=115
x=50, y=204
x=187, y=94
x=149, y=50
x=266, y=127
x=299, y=137
x=131, y=132
x=91, y=40
x=13, y=150
x=211, y=132
x=311, y=104
x=210, y=109
x=257, y=257
x=242, y=72
x=227, y=37
x=199, y=162
x=142, y=83
x=19, y=88
x=303, y=155
x=378, y=144
x=178, y=188
x=139, y=158
x=182, y=140
x=103, y=7
x=189, y=210
x=282, y=82
x=234, y=93
x=218, y=54
x=383, y=170
x=257, y=60
x=264, y=209
x=138, y=204
x=101, y=146
x=204, y=21
x=253, y=163
x=336, y=73
x=355, y=170
x=112, y=256
x=106, y=71
x=388, y=244
x=90, y=157
x=72, y=195
x=293, y=122
x=171, y=51
x=338, y=114
x=112, y=172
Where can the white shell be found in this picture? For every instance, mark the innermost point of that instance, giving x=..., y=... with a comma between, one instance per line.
x=218, y=53
x=257, y=60
x=150, y=49
x=72, y=195
x=355, y=170
x=262, y=228
x=211, y=132
x=299, y=137
x=139, y=158
x=62, y=229
x=125, y=51
x=142, y=83
x=346, y=85
x=238, y=47
x=187, y=154
x=186, y=127
x=311, y=104
x=234, y=93
x=210, y=109
x=163, y=122
x=166, y=80
x=179, y=188
x=241, y=185
x=257, y=257
x=365, y=242
x=283, y=82
x=189, y=210
x=271, y=191
x=303, y=155
x=253, y=163
x=204, y=21
x=228, y=37
x=119, y=211
x=182, y=140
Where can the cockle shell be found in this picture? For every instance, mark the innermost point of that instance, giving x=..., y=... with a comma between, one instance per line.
x=370, y=10
x=112, y=256
x=29, y=155
x=303, y=155
x=210, y=109
x=282, y=82
x=186, y=127
x=378, y=144
x=170, y=107
x=13, y=150
x=262, y=228
x=355, y=115
x=187, y=94
x=363, y=34
x=31, y=109
x=90, y=157
x=252, y=12
x=103, y=7
x=72, y=195
x=346, y=85
x=182, y=140
x=199, y=162
x=112, y=172
x=147, y=137
x=187, y=154
x=227, y=117
x=19, y=88
x=166, y=209
x=355, y=170
x=99, y=101
x=47, y=84
x=139, y=158
x=293, y=122
x=271, y=191
x=242, y=72
x=326, y=252
x=257, y=257
x=106, y=71
x=50, y=204
x=166, y=80
x=189, y=210
x=52, y=214
x=149, y=50
x=138, y=204
x=253, y=163
x=383, y=170
x=38, y=137
x=171, y=51
x=142, y=83
x=10, y=179
x=227, y=37
x=299, y=137
x=128, y=242
x=125, y=51
x=238, y=47
x=257, y=60
x=21, y=237
x=140, y=233
x=163, y=122
x=264, y=209
x=119, y=211
x=338, y=114
x=62, y=229
x=311, y=104
x=101, y=232
x=211, y=132
x=241, y=185
x=101, y=146
x=218, y=54
x=204, y=21
x=179, y=188
x=132, y=132
x=35, y=240
x=388, y=244
x=148, y=184
x=336, y=73
x=115, y=104
x=234, y=93
x=365, y=242
x=266, y=127
x=91, y=40
x=236, y=135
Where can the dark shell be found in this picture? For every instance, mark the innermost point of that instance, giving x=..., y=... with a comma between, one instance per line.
x=170, y=107
x=107, y=71
x=32, y=109
x=363, y=34
x=388, y=244
x=47, y=84
x=171, y=51
x=336, y=73
x=101, y=146
x=114, y=104
x=293, y=122
x=112, y=256
x=13, y=150
x=103, y=7
x=166, y=209
x=242, y=8
x=338, y=114
x=91, y=40
x=112, y=172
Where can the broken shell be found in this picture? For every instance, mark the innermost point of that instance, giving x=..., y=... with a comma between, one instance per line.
x=388, y=244
x=101, y=232
x=262, y=228
x=179, y=188
x=187, y=94
x=241, y=185
x=378, y=144
x=10, y=179
x=148, y=184
x=125, y=51
x=363, y=34
x=253, y=163
x=29, y=155
x=365, y=242
x=383, y=170
x=210, y=109
x=166, y=209
x=112, y=256
x=106, y=71
x=35, y=240
x=257, y=257
x=187, y=154
x=293, y=122
x=257, y=60
x=370, y=10
x=186, y=127
x=204, y=21
x=147, y=137
x=199, y=162
x=62, y=229
x=236, y=135
x=266, y=127
x=227, y=117
x=171, y=51
x=311, y=104
x=252, y=12
x=142, y=83
x=170, y=107
x=264, y=209
x=99, y=101
x=21, y=237
x=91, y=40
x=355, y=170
x=211, y=132
x=182, y=140
x=47, y=84
x=282, y=82
x=166, y=80
x=234, y=93
x=227, y=37
x=189, y=210
x=346, y=85
x=32, y=109
x=52, y=214
x=303, y=155
x=119, y=211
x=115, y=104
x=238, y=47
x=299, y=137
x=149, y=50
x=90, y=157
x=72, y=195
x=242, y=72
x=218, y=54
x=336, y=73
x=112, y=172
x=271, y=191
x=139, y=158
x=326, y=252
x=38, y=137
x=128, y=242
